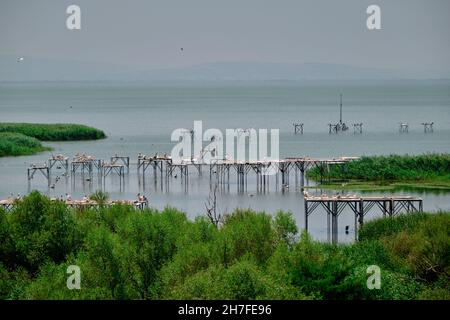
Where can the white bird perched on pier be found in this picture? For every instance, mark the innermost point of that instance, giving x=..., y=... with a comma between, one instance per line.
x=20, y=59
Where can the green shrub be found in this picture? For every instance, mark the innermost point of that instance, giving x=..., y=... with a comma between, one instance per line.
x=42, y=231
x=285, y=228
x=244, y=280
x=125, y=253
x=425, y=249
x=247, y=232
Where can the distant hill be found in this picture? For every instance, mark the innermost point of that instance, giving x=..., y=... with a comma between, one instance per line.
x=269, y=71
x=36, y=69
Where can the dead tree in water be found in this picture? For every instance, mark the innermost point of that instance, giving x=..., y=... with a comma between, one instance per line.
x=212, y=211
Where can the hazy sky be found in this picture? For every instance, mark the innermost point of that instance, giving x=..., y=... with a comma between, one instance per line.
x=149, y=33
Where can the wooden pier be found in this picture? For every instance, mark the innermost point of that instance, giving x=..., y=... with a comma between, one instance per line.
x=8, y=204
x=157, y=162
x=298, y=128
x=110, y=168
x=221, y=170
x=85, y=163
x=61, y=162
x=164, y=170
x=404, y=127
x=44, y=169
x=79, y=204
x=427, y=127
x=360, y=206
x=358, y=128
x=125, y=160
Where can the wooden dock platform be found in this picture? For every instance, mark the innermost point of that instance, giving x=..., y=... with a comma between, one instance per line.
x=44, y=169
x=8, y=204
x=360, y=206
x=125, y=160
x=86, y=163
x=61, y=161
x=91, y=203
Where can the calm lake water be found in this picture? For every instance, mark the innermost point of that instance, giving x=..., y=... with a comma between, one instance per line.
x=140, y=117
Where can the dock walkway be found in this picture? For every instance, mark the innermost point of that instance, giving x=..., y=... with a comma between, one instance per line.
x=360, y=206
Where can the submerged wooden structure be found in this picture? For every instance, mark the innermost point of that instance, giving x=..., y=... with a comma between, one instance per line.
x=124, y=160
x=85, y=163
x=404, y=127
x=221, y=171
x=43, y=169
x=164, y=170
x=358, y=128
x=7, y=204
x=110, y=168
x=298, y=128
x=360, y=206
x=427, y=127
x=61, y=162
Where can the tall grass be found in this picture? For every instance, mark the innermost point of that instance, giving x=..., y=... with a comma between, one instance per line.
x=391, y=168
x=17, y=144
x=54, y=132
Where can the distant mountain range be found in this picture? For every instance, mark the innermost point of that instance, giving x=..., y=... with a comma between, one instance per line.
x=37, y=69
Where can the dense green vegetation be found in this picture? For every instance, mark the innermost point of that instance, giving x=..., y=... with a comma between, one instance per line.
x=430, y=170
x=54, y=132
x=125, y=253
x=23, y=138
x=16, y=144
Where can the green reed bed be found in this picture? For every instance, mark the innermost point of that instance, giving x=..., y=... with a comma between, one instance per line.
x=24, y=138
x=54, y=132
x=428, y=169
x=17, y=144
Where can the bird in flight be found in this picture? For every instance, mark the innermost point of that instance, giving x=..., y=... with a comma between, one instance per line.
x=20, y=59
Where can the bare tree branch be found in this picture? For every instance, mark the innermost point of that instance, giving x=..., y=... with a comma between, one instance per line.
x=211, y=207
